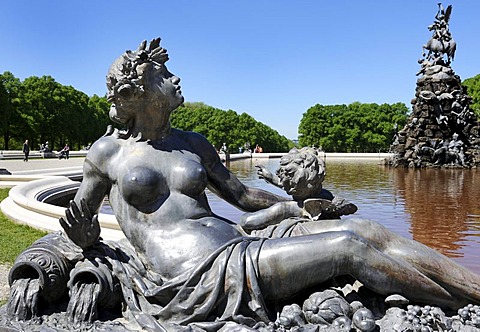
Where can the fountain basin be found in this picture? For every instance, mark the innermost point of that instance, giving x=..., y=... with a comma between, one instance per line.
x=40, y=203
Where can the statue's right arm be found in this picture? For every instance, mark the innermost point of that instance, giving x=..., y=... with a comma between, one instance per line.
x=95, y=185
x=81, y=220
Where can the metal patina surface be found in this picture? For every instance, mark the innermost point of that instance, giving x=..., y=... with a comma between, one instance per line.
x=181, y=267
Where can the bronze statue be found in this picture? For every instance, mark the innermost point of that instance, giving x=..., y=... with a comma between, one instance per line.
x=442, y=41
x=180, y=263
x=300, y=174
x=441, y=107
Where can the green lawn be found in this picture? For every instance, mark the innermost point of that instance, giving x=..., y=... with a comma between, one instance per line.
x=14, y=238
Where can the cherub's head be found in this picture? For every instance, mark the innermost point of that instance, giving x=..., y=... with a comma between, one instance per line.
x=302, y=172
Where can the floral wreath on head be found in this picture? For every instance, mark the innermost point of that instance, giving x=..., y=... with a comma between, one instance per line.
x=131, y=82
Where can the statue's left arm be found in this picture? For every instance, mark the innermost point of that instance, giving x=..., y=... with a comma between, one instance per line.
x=227, y=186
x=270, y=216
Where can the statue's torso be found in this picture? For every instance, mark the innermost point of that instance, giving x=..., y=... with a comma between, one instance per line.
x=158, y=198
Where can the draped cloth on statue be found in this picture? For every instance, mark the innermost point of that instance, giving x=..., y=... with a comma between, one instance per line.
x=286, y=228
x=223, y=287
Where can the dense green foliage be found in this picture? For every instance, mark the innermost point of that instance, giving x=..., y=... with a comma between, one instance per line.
x=220, y=126
x=14, y=238
x=40, y=109
x=354, y=128
x=473, y=90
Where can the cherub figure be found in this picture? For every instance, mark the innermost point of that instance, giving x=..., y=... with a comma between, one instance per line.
x=301, y=174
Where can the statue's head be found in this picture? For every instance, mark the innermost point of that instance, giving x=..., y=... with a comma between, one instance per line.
x=302, y=172
x=139, y=78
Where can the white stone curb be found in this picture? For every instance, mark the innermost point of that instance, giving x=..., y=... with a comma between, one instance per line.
x=23, y=207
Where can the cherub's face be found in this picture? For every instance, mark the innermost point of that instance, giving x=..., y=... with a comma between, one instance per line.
x=301, y=177
x=293, y=178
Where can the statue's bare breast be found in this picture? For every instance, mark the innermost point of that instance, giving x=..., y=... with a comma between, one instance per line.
x=161, y=206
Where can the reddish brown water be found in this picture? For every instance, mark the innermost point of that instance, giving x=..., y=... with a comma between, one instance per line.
x=440, y=208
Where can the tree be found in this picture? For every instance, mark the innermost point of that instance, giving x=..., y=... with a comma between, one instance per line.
x=5, y=113
x=354, y=128
x=220, y=126
x=473, y=90
x=98, y=121
x=41, y=106
x=41, y=109
x=11, y=125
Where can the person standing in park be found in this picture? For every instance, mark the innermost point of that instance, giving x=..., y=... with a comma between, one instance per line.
x=26, y=150
x=66, y=150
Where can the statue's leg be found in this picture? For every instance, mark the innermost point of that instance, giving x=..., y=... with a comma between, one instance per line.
x=451, y=276
x=290, y=265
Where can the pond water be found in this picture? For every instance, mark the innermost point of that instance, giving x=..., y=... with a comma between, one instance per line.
x=438, y=207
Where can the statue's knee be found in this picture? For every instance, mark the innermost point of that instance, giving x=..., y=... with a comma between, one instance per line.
x=348, y=238
x=351, y=244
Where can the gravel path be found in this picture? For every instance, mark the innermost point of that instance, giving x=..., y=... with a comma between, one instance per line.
x=4, y=289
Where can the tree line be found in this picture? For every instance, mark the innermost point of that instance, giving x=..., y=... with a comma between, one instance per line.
x=41, y=109
x=351, y=128
x=362, y=127
x=220, y=126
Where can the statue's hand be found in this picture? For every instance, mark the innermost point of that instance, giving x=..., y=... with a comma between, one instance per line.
x=319, y=208
x=80, y=226
x=314, y=208
x=264, y=173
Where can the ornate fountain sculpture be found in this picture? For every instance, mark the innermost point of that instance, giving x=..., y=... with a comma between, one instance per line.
x=183, y=268
x=442, y=130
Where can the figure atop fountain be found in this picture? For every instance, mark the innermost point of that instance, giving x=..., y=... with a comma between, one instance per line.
x=442, y=41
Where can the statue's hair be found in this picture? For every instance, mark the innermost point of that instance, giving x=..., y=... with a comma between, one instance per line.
x=126, y=73
x=306, y=158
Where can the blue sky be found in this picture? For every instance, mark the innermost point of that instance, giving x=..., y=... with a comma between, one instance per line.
x=270, y=59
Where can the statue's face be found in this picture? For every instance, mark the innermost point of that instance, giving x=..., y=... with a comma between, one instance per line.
x=167, y=88
x=149, y=86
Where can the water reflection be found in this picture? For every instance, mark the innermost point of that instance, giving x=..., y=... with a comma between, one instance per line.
x=439, y=208
x=444, y=209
